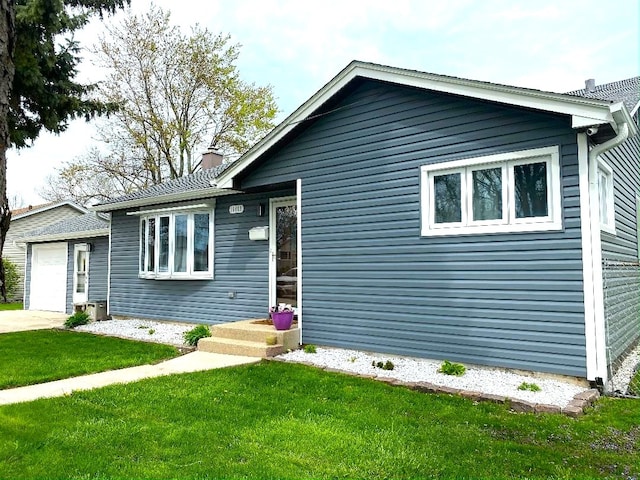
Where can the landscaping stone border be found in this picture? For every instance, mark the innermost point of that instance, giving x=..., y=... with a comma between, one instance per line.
x=574, y=408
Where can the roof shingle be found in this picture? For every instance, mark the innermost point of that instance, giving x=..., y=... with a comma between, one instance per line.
x=626, y=91
x=89, y=222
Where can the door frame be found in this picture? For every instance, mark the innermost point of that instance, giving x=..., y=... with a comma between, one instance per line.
x=273, y=204
x=76, y=297
x=36, y=250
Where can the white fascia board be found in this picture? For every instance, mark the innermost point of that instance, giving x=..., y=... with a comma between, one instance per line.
x=173, y=197
x=103, y=232
x=596, y=111
x=80, y=208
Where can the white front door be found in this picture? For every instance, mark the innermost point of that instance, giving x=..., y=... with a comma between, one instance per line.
x=80, y=273
x=283, y=252
x=48, y=285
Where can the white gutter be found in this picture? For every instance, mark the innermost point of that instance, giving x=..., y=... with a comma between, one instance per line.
x=168, y=198
x=103, y=232
x=599, y=348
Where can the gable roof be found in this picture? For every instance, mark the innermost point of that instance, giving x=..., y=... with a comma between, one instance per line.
x=584, y=111
x=87, y=225
x=625, y=91
x=196, y=185
x=32, y=210
x=606, y=108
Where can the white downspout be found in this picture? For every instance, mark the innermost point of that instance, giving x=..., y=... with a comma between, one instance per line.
x=596, y=250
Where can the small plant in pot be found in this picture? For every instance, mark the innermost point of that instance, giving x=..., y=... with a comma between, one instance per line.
x=282, y=316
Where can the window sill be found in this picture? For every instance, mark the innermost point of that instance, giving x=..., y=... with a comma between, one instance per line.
x=204, y=276
x=491, y=229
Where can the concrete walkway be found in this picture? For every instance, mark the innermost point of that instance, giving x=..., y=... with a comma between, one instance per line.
x=191, y=362
x=22, y=320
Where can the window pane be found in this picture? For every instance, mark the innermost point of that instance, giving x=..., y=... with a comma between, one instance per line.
x=531, y=190
x=151, y=240
x=201, y=242
x=143, y=243
x=603, y=194
x=487, y=194
x=163, y=245
x=180, y=253
x=447, y=198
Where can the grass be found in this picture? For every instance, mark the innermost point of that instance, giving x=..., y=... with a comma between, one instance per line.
x=11, y=306
x=275, y=420
x=46, y=355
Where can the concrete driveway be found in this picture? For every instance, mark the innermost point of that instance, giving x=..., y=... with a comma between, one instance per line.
x=21, y=320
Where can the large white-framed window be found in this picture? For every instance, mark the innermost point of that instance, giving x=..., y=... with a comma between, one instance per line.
x=606, y=199
x=177, y=244
x=510, y=192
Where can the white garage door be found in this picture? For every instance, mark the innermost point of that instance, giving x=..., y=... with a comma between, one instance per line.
x=48, y=289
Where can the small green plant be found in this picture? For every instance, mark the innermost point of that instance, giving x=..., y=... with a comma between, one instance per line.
x=152, y=331
x=11, y=278
x=142, y=327
x=310, y=348
x=271, y=339
x=78, y=318
x=388, y=365
x=532, y=387
x=192, y=336
x=353, y=359
x=450, y=368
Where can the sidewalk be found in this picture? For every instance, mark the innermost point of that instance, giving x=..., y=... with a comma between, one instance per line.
x=191, y=362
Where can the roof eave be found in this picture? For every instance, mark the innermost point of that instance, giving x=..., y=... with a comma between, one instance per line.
x=583, y=111
x=103, y=232
x=80, y=208
x=169, y=198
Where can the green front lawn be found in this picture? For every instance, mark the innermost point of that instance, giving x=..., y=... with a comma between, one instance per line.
x=274, y=420
x=11, y=306
x=45, y=355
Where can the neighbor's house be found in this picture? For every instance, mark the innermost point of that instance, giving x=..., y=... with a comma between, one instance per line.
x=67, y=264
x=427, y=215
x=30, y=218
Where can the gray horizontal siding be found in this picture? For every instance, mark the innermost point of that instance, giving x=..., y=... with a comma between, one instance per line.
x=621, y=272
x=240, y=266
x=16, y=252
x=370, y=280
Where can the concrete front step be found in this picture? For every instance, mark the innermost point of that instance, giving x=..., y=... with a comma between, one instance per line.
x=232, y=346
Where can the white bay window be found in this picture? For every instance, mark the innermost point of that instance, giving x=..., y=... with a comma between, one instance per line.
x=514, y=192
x=176, y=245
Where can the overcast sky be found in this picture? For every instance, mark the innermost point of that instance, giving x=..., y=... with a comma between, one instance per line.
x=298, y=45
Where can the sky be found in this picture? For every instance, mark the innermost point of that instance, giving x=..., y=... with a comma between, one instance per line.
x=297, y=46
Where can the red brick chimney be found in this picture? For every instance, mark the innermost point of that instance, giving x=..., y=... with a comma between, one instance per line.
x=211, y=158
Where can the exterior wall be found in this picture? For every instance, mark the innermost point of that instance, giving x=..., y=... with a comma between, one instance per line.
x=371, y=282
x=621, y=272
x=98, y=269
x=19, y=227
x=240, y=266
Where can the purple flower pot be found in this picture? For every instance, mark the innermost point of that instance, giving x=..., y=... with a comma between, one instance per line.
x=282, y=320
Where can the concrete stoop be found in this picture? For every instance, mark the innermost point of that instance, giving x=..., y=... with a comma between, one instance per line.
x=250, y=339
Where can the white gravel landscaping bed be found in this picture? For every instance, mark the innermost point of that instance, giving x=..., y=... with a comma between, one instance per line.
x=145, y=330
x=486, y=380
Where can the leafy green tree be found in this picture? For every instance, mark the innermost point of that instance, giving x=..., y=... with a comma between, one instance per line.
x=38, y=65
x=178, y=93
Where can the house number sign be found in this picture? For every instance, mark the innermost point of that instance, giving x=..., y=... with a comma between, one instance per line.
x=236, y=209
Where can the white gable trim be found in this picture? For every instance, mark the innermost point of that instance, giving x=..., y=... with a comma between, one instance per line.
x=583, y=111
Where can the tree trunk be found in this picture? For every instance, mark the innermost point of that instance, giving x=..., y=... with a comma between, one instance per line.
x=7, y=69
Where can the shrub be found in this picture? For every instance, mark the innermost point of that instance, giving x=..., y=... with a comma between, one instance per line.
x=532, y=387
x=10, y=277
x=449, y=368
x=192, y=336
x=388, y=365
x=78, y=318
x=310, y=348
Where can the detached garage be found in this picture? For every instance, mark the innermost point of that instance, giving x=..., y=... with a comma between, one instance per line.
x=67, y=264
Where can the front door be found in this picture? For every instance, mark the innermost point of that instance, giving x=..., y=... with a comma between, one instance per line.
x=283, y=252
x=80, y=273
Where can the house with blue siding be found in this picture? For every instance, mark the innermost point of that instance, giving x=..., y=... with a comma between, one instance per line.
x=67, y=264
x=418, y=214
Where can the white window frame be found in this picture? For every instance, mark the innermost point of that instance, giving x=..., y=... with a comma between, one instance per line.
x=606, y=172
x=508, y=223
x=143, y=237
